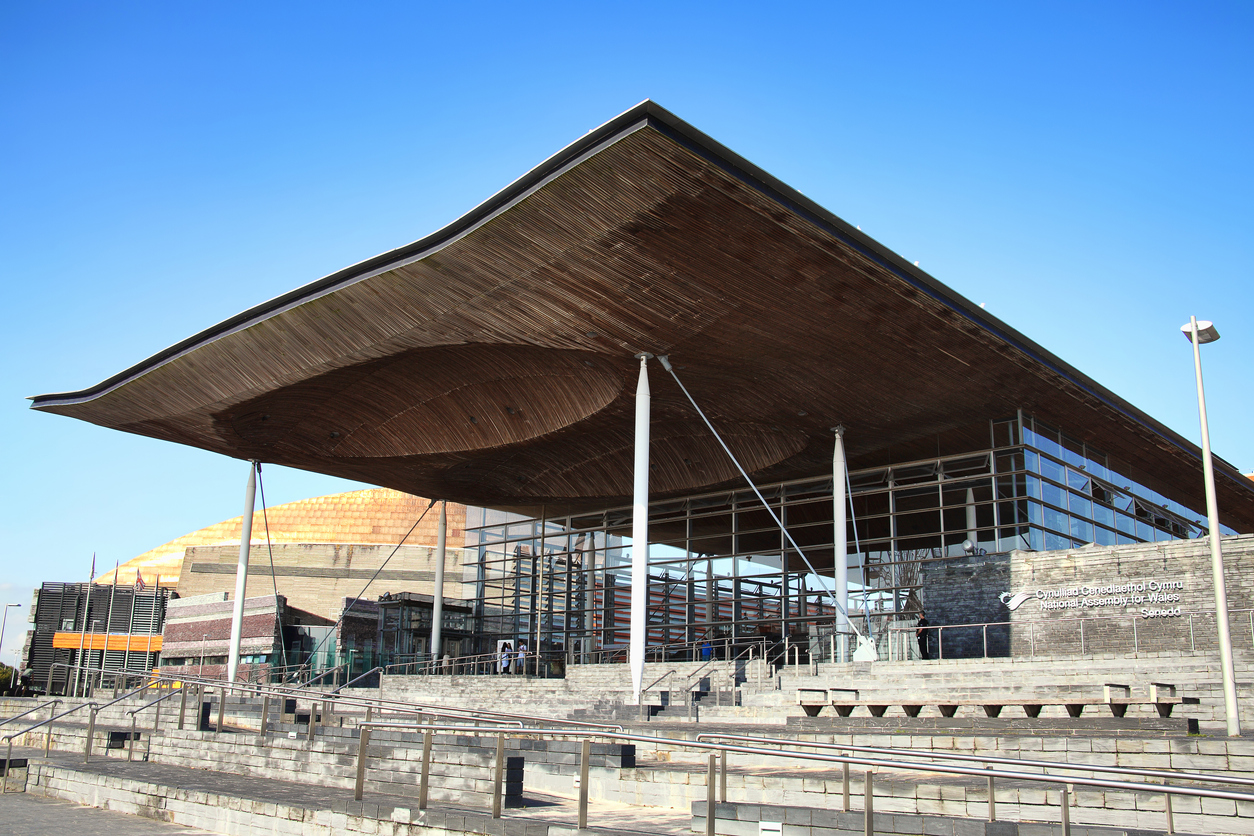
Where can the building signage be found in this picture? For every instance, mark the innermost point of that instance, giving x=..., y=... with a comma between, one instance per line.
x=1156, y=598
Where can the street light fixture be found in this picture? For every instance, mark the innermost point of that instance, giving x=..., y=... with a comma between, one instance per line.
x=3, y=620
x=1199, y=333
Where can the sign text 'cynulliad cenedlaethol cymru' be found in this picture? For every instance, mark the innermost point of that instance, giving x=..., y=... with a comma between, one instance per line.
x=1158, y=598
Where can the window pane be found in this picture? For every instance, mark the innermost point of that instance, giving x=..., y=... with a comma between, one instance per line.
x=1056, y=520
x=1056, y=541
x=1054, y=495
x=1081, y=530
x=1051, y=469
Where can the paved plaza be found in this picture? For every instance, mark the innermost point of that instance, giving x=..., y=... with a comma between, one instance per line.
x=24, y=814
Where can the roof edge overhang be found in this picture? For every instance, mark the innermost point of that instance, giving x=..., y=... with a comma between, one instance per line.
x=646, y=114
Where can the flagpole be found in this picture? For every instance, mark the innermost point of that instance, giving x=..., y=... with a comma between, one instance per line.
x=130, y=626
x=109, y=617
x=82, y=636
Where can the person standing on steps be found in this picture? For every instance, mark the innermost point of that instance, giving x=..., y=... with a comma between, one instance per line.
x=520, y=661
x=503, y=662
x=923, y=635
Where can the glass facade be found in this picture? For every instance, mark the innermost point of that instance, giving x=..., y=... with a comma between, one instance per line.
x=722, y=574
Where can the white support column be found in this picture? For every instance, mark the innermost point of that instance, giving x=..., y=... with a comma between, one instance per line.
x=241, y=570
x=840, y=505
x=972, y=524
x=640, y=534
x=437, y=593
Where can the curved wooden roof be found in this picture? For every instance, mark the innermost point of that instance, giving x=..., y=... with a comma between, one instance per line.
x=491, y=363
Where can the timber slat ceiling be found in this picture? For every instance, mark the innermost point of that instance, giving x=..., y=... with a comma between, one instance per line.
x=492, y=362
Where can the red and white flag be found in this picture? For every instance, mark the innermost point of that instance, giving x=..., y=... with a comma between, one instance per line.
x=139, y=582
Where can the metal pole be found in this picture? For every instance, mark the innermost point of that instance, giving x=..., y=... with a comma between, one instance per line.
x=499, y=776
x=221, y=707
x=1231, y=709
x=362, y=743
x=130, y=744
x=91, y=732
x=1066, y=811
x=844, y=777
x=868, y=806
x=425, y=775
x=640, y=532
x=241, y=570
x=1171, y=819
x=584, y=753
x=313, y=716
x=992, y=803
x=711, y=813
x=437, y=593
x=8, y=759
x=265, y=715
x=722, y=776
x=839, y=525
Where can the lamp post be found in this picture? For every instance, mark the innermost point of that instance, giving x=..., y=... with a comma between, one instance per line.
x=4, y=619
x=1198, y=333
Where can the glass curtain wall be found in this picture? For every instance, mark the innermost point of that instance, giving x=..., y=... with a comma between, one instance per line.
x=722, y=576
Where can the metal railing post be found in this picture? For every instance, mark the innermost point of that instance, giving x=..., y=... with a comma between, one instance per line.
x=1135, y=647
x=868, y=806
x=265, y=715
x=363, y=743
x=985, y=641
x=498, y=776
x=710, y=811
x=221, y=708
x=722, y=776
x=156, y=715
x=8, y=759
x=992, y=803
x=425, y=775
x=48, y=687
x=1066, y=811
x=91, y=731
x=1081, y=636
x=1171, y=819
x=116, y=686
x=313, y=720
x=182, y=705
x=845, y=784
x=584, y=753
x=130, y=748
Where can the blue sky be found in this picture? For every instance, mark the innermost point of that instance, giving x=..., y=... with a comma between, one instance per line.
x=1082, y=169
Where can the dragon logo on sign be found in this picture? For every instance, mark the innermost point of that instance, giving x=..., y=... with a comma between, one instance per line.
x=1013, y=600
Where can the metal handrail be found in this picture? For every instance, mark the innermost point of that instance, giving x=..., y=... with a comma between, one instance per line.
x=989, y=773
x=1031, y=625
x=29, y=711
x=341, y=699
x=321, y=675
x=8, y=739
x=357, y=679
x=953, y=756
x=397, y=705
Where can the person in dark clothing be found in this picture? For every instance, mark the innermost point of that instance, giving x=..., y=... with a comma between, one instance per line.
x=923, y=635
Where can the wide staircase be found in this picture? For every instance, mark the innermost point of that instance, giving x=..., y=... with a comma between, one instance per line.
x=303, y=778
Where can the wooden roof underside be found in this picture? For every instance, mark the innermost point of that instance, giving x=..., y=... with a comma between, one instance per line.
x=492, y=363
